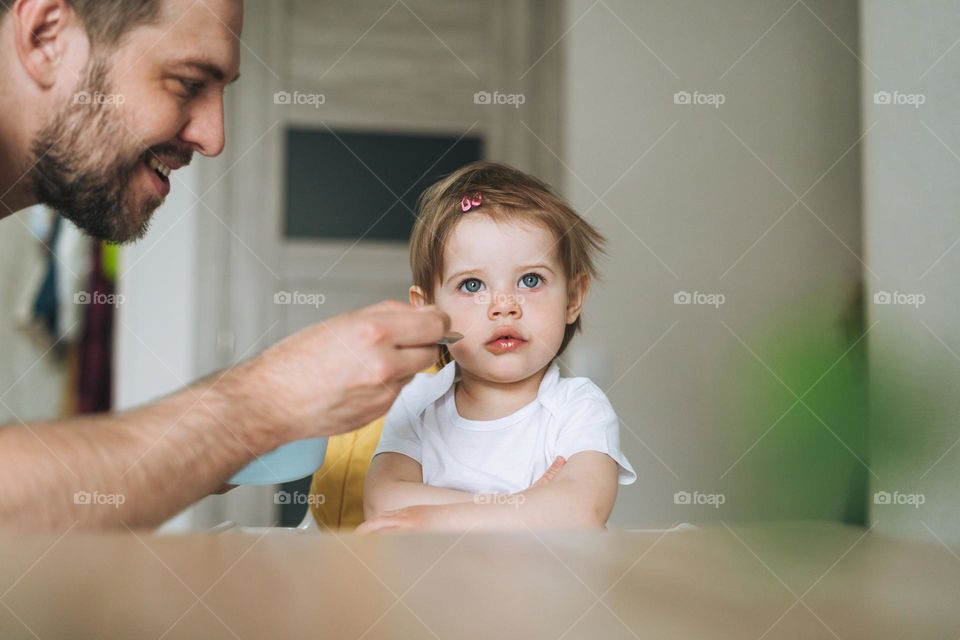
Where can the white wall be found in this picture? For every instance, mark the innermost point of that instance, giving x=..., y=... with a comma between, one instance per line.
x=156, y=333
x=688, y=206
x=911, y=199
x=164, y=327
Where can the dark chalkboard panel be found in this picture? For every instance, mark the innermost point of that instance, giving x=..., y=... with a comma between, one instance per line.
x=346, y=185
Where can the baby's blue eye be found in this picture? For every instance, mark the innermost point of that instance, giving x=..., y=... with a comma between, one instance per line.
x=471, y=285
x=530, y=280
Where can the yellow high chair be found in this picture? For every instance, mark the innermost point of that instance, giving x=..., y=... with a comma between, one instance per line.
x=340, y=479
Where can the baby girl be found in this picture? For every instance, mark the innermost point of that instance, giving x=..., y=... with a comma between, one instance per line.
x=497, y=439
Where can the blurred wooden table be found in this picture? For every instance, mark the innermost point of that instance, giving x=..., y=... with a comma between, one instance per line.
x=797, y=581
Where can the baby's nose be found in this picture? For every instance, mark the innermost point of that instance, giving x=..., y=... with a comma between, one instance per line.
x=505, y=304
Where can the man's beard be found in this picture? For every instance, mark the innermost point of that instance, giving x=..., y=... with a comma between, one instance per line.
x=85, y=163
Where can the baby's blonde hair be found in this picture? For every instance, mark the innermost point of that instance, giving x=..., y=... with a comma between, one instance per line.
x=508, y=195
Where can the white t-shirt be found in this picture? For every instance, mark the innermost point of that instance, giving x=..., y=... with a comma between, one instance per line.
x=508, y=454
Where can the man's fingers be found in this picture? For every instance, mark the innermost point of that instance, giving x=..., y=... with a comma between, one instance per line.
x=418, y=326
x=224, y=488
x=412, y=360
x=434, y=309
x=417, y=342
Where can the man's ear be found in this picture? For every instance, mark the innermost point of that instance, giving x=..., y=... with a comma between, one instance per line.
x=576, y=296
x=41, y=37
x=417, y=298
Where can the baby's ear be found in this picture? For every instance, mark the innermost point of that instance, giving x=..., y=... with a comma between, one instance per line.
x=576, y=296
x=417, y=298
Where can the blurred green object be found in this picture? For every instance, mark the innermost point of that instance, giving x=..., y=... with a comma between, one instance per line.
x=109, y=260
x=798, y=414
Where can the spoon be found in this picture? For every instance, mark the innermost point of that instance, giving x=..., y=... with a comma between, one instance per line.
x=450, y=338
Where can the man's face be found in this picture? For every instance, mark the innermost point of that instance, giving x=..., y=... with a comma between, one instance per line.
x=140, y=111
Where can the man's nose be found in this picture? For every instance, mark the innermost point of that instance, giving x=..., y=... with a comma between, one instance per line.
x=505, y=305
x=204, y=130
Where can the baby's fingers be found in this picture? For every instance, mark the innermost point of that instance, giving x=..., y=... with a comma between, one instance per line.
x=372, y=526
x=386, y=520
x=552, y=472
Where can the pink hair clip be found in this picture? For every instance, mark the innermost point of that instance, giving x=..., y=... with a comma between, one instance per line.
x=471, y=202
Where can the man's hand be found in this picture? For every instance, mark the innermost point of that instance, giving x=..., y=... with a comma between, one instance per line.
x=161, y=457
x=338, y=375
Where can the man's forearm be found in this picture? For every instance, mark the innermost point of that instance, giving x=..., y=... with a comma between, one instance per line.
x=127, y=469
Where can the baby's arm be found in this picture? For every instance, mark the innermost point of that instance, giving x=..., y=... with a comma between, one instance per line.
x=395, y=481
x=581, y=496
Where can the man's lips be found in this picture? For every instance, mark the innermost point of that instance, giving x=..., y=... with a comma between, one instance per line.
x=160, y=165
x=160, y=182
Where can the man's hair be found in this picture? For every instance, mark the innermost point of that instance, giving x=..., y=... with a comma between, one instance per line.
x=510, y=195
x=107, y=21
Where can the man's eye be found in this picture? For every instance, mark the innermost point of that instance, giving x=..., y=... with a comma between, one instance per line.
x=192, y=87
x=531, y=280
x=471, y=285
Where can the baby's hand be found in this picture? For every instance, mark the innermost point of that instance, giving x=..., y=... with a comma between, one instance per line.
x=416, y=518
x=550, y=473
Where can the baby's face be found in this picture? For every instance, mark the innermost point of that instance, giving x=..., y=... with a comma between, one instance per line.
x=506, y=292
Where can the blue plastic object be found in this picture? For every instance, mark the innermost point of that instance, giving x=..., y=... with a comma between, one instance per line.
x=292, y=461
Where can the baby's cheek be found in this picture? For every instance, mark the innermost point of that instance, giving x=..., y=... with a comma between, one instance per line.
x=552, y=339
x=467, y=316
x=553, y=329
x=456, y=352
